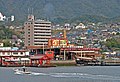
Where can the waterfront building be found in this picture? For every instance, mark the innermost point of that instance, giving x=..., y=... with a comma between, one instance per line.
x=36, y=32
x=13, y=56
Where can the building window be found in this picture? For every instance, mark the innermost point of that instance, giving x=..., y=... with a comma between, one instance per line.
x=3, y=53
x=8, y=53
x=21, y=53
x=15, y=53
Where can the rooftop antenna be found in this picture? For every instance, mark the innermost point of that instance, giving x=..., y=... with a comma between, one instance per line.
x=30, y=14
x=32, y=11
x=28, y=11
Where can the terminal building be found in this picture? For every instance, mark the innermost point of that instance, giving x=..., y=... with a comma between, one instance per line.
x=38, y=41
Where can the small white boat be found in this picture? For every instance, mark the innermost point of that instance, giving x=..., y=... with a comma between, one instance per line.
x=18, y=71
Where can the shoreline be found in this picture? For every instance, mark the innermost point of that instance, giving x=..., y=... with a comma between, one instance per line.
x=57, y=63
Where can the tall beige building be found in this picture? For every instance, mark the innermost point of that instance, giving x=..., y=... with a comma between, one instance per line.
x=36, y=32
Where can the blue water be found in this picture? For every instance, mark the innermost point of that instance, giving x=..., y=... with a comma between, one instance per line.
x=63, y=74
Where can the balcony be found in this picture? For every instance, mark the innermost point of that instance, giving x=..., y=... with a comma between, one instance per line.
x=42, y=31
x=39, y=34
x=42, y=37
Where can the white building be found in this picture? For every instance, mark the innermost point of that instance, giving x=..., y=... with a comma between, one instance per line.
x=1, y=44
x=81, y=25
x=2, y=18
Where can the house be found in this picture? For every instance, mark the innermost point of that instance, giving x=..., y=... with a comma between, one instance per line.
x=1, y=44
x=81, y=25
x=2, y=18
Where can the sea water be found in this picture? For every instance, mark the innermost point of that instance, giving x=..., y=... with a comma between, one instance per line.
x=63, y=74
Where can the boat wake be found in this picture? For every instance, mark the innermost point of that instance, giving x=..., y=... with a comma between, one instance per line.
x=30, y=73
x=72, y=75
x=86, y=76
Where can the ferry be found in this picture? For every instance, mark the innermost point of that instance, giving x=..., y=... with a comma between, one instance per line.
x=87, y=61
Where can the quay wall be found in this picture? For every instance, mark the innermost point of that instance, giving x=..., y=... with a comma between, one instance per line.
x=63, y=62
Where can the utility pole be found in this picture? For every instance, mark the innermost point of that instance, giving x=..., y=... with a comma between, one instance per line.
x=64, y=55
x=43, y=48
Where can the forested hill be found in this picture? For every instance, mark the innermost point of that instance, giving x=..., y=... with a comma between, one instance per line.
x=62, y=10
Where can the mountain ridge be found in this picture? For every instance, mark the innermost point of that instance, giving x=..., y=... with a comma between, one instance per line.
x=66, y=9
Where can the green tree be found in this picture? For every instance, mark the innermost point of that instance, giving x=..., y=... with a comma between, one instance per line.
x=112, y=43
x=7, y=43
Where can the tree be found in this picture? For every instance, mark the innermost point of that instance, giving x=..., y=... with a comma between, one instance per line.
x=117, y=33
x=7, y=43
x=112, y=43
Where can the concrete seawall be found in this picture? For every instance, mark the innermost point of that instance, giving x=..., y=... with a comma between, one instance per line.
x=107, y=62
x=63, y=62
x=111, y=62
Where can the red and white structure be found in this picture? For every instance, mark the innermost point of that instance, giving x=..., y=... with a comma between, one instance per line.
x=9, y=56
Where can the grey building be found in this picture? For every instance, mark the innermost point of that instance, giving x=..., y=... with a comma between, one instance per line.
x=36, y=32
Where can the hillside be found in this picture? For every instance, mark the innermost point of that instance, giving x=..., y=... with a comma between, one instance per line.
x=62, y=10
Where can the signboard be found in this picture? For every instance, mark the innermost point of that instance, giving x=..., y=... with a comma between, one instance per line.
x=63, y=42
x=55, y=42
x=58, y=42
x=50, y=54
x=12, y=59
